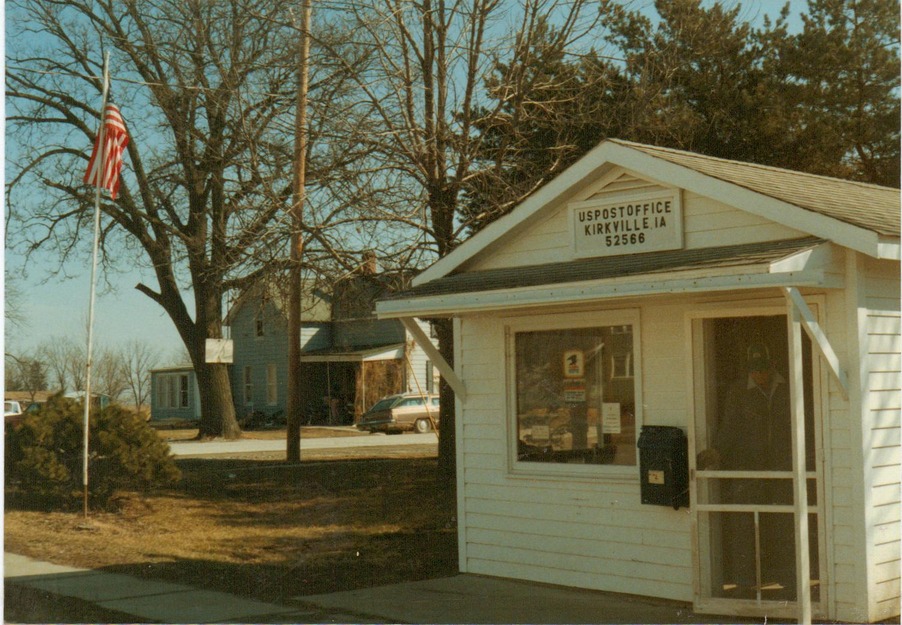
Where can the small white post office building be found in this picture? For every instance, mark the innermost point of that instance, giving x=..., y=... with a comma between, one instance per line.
x=612, y=429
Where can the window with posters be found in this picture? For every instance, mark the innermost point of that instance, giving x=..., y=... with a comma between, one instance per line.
x=574, y=389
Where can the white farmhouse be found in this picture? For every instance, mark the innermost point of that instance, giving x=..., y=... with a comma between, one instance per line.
x=606, y=336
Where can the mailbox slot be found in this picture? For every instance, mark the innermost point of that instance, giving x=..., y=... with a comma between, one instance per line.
x=664, y=466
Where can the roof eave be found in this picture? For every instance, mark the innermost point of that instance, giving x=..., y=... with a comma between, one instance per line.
x=888, y=248
x=394, y=351
x=760, y=276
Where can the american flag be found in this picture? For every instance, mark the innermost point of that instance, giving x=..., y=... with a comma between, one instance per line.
x=114, y=136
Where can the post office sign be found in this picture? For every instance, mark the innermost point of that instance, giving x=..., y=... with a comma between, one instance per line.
x=627, y=225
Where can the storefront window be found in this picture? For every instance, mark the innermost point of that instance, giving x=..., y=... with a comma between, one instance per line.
x=576, y=395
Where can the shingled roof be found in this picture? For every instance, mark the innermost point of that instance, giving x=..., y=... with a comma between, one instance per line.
x=864, y=205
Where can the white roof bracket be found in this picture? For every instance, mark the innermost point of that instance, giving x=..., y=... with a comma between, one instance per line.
x=818, y=337
x=435, y=356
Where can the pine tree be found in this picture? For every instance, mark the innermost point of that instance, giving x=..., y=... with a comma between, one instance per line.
x=842, y=74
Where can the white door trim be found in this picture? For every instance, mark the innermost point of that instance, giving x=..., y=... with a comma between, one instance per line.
x=695, y=381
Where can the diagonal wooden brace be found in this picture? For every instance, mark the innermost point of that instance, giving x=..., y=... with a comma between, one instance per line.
x=817, y=336
x=435, y=356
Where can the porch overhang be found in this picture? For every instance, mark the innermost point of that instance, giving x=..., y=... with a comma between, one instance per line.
x=807, y=262
x=372, y=354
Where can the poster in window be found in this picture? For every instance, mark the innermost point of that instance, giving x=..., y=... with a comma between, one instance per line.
x=575, y=391
x=610, y=418
x=574, y=364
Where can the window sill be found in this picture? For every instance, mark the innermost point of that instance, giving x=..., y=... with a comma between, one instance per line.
x=596, y=473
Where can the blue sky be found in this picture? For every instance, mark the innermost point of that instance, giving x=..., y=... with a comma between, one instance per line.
x=57, y=308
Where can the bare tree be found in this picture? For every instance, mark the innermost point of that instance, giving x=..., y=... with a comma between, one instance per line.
x=207, y=90
x=13, y=311
x=427, y=61
x=136, y=361
x=25, y=374
x=201, y=86
x=109, y=377
x=65, y=361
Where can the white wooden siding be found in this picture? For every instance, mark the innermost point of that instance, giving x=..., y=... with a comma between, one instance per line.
x=884, y=336
x=416, y=369
x=590, y=531
x=707, y=223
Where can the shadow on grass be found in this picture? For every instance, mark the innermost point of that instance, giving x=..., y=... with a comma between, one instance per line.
x=377, y=561
x=287, y=530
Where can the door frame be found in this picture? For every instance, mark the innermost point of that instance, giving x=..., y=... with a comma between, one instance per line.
x=696, y=376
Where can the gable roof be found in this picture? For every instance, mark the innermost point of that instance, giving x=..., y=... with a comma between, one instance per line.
x=315, y=302
x=874, y=207
x=859, y=216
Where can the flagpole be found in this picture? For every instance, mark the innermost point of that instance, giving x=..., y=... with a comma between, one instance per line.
x=89, y=365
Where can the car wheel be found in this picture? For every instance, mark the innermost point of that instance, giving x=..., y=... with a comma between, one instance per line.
x=423, y=425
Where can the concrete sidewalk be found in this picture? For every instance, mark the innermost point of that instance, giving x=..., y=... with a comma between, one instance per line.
x=251, y=445
x=477, y=599
x=123, y=598
x=458, y=599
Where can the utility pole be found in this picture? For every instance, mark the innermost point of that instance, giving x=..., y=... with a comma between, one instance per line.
x=295, y=401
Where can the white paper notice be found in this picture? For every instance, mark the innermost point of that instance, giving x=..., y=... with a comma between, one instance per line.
x=610, y=418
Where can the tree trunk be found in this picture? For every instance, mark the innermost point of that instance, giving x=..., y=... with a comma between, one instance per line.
x=447, y=448
x=217, y=410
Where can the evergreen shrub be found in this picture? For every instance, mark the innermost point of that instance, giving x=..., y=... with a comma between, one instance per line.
x=44, y=455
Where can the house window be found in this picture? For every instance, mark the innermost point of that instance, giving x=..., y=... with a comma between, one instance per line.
x=248, y=386
x=272, y=388
x=172, y=391
x=430, y=377
x=258, y=324
x=574, y=391
x=163, y=391
x=183, y=391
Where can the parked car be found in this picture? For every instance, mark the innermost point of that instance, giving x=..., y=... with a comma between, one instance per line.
x=12, y=413
x=403, y=412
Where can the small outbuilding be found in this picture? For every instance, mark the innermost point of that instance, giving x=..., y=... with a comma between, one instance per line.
x=678, y=376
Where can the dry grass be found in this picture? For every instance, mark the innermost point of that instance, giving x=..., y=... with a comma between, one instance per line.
x=262, y=529
x=184, y=434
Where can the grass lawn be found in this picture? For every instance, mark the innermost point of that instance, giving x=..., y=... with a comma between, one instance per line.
x=187, y=433
x=261, y=528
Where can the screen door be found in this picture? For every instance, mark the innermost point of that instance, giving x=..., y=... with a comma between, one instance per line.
x=743, y=479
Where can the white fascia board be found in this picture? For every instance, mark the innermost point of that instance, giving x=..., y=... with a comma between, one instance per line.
x=821, y=257
x=778, y=211
x=889, y=249
x=566, y=184
x=583, y=292
x=393, y=353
